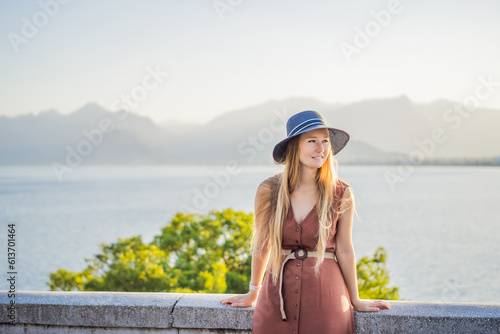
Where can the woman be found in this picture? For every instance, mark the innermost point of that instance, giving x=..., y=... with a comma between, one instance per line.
x=310, y=285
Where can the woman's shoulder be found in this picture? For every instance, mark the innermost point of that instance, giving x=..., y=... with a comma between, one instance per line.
x=342, y=186
x=272, y=180
x=342, y=183
x=269, y=185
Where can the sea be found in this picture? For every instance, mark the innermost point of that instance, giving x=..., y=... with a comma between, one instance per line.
x=439, y=224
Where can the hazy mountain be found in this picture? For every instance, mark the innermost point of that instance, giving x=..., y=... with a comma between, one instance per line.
x=380, y=129
x=468, y=133
x=50, y=136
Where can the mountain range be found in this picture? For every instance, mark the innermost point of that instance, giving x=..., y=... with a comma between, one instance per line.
x=381, y=130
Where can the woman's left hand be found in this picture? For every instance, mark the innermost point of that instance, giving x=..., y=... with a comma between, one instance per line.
x=368, y=305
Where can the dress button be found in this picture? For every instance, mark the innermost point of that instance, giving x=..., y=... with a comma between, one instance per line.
x=298, y=264
x=296, y=277
x=296, y=290
x=295, y=305
x=297, y=229
x=294, y=318
x=296, y=241
x=294, y=332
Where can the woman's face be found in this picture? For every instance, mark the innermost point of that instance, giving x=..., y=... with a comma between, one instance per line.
x=314, y=147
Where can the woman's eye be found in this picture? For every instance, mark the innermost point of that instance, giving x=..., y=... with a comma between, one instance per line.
x=324, y=141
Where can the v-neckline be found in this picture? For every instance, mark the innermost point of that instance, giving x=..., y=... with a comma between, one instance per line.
x=293, y=213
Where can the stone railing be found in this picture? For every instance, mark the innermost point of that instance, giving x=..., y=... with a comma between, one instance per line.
x=134, y=312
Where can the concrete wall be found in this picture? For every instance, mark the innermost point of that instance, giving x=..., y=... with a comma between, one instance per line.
x=136, y=312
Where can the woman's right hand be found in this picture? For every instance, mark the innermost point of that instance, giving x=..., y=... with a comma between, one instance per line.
x=245, y=300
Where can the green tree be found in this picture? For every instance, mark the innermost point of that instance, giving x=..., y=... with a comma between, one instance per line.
x=207, y=253
x=212, y=250
x=127, y=265
x=373, y=277
x=194, y=253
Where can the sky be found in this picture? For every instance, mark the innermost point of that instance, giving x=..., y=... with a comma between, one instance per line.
x=194, y=60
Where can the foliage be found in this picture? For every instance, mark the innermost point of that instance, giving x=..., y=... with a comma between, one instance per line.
x=194, y=253
x=373, y=277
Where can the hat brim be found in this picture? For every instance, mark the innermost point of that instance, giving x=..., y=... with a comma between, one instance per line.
x=338, y=140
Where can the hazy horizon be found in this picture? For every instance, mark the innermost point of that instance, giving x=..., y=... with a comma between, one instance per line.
x=195, y=60
x=205, y=122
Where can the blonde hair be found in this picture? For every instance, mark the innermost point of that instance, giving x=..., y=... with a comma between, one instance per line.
x=273, y=200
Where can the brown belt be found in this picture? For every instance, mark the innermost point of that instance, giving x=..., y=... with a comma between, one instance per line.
x=299, y=254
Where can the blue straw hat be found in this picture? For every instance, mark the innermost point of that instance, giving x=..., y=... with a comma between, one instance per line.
x=306, y=121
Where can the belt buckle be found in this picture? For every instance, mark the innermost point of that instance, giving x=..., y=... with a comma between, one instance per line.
x=300, y=253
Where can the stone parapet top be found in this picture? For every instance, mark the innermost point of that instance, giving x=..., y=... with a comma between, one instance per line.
x=197, y=313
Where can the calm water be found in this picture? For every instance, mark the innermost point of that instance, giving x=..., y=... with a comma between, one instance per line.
x=439, y=225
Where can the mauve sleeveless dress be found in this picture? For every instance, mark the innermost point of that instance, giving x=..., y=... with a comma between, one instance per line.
x=313, y=304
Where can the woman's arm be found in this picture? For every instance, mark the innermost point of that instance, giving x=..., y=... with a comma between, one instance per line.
x=347, y=259
x=248, y=299
x=260, y=256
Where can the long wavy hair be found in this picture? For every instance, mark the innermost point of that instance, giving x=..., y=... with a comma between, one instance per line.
x=271, y=207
